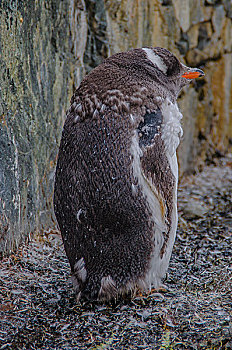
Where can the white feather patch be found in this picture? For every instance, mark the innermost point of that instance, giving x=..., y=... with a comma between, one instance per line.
x=171, y=127
x=147, y=187
x=80, y=270
x=108, y=288
x=156, y=60
x=158, y=265
x=171, y=133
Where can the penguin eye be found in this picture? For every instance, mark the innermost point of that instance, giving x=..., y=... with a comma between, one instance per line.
x=170, y=71
x=173, y=69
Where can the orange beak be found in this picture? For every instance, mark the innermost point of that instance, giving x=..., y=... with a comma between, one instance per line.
x=193, y=73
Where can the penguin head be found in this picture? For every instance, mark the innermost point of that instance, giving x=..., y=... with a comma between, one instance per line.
x=153, y=68
x=170, y=68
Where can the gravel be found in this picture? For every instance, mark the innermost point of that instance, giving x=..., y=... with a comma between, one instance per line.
x=193, y=311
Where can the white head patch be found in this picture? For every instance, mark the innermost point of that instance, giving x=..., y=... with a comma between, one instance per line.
x=156, y=60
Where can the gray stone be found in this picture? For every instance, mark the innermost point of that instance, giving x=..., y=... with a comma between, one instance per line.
x=195, y=209
x=218, y=19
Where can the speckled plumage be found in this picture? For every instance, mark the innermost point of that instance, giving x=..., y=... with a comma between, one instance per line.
x=116, y=176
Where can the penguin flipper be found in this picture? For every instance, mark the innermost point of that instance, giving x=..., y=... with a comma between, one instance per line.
x=157, y=171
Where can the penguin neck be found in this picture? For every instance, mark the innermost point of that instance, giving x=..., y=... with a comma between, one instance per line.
x=169, y=90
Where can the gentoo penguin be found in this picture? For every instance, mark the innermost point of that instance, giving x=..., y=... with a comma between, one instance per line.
x=115, y=196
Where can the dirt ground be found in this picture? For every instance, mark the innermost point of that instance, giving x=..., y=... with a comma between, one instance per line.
x=38, y=309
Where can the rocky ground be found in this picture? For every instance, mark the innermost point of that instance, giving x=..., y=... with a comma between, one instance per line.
x=38, y=308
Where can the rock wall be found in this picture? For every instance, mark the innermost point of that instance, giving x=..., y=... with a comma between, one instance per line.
x=46, y=48
x=42, y=45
